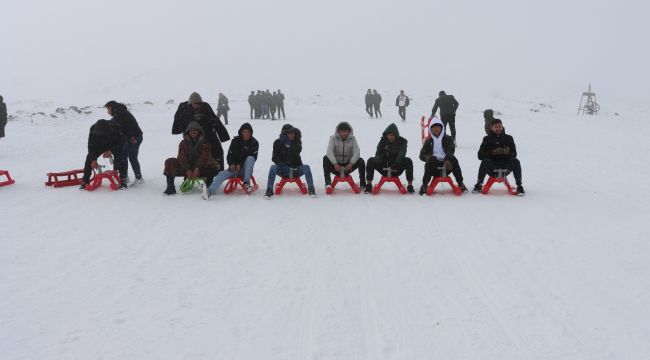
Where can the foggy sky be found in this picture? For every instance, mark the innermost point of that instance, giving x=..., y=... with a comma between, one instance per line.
x=150, y=49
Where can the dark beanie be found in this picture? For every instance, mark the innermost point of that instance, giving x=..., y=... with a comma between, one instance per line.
x=495, y=121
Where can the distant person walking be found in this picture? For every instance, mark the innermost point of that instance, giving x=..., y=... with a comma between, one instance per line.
x=376, y=103
x=280, y=103
x=448, y=106
x=3, y=117
x=369, y=102
x=251, y=102
x=402, y=102
x=223, y=108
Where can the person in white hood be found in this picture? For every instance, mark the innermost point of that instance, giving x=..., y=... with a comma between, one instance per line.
x=343, y=153
x=438, y=152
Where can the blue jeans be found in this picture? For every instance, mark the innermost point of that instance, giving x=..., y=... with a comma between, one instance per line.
x=245, y=173
x=283, y=170
x=131, y=153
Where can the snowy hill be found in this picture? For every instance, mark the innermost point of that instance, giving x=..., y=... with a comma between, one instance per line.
x=562, y=273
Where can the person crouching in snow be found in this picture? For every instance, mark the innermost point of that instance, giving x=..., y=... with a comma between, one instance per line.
x=390, y=154
x=438, y=151
x=286, y=156
x=343, y=153
x=194, y=159
x=498, y=151
x=241, y=158
x=106, y=138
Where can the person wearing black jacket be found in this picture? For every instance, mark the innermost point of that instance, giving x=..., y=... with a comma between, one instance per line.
x=390, y=154
x=196, y=110
x=132, y=134
x=241, y=158
x=251, y=102
x=498, y=151
x=3, y=117
x=105, y=137
x=438, y=152
x=280, y=103
x=223, y=108
x=448, y=106
x=369, y=100
x=273, y=104
x=402, y=101
x=376, y=103
x=287, y=161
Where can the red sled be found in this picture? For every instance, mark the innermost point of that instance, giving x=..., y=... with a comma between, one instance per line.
x=234, y=183
x=438, y=180
x=285, y=180
x=493, y=180
x=384, y=179
x=347, y=179
x=66, y=178
x=425, y=134
x=110, y=175
x=9, y=180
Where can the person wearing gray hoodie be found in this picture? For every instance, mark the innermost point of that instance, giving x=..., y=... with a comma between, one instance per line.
x=343, y=154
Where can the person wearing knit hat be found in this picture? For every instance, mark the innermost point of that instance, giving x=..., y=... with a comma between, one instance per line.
x=286, y=160
x=343, y=154
x=213, y=129
x=438, y=152
x=498, y=151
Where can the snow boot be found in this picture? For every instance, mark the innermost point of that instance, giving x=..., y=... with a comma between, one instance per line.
x=268, y=194
x=520, y=190
x=83, y=185
x=423, y=189
x=137, y=181
x=205, y=193
x=312, y=192
x=477, y=188
x=368, y=188
x=410, y=189
x=171, y=189
x=123, y=184
x=462, y=187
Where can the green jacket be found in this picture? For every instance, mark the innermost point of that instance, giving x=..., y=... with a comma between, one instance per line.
x=391, y=153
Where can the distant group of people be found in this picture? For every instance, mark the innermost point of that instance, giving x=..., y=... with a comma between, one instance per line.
x=264, y=104
x=373, y=103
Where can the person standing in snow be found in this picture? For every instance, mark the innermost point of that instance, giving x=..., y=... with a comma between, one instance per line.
x=437, y=152
x=133, y=137
x=223, y=108
x=287, y=161
x=280, y=103
x=3, y=117
x=402, y=102
x=194, y=159
x=105, y=137
x=369, y=101
x=196, y=110
x=390, y=154
x=241, y=158
x=343, y=153
x=273, y=105
x=448, y=106
x=251, y=103
x=488, y=116
x=498, y=151
x=376, y=103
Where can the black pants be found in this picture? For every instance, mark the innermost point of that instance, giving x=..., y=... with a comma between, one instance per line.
x=281, y=111
x=119, y=161
x=252, y=110
x=449, y=120
x=328, y=170
x=217, y=151
x=431, y=169
x=373, y=166
x=173, y=170
x=489, y=165
x=402, y=112
x=377, y=108
x=225, y=116
x=369, y=109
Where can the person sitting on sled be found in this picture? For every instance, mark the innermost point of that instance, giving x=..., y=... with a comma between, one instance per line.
x=286, y=156
x=241, y=158
x=390, y=154
x=498, y=151
x=105, y=137
x=343, y=153
x=194, y=159
x=437, y=152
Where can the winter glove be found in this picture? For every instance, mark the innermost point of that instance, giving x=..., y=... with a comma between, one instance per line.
x=448, y=165
x=506, y=150
x=427, y=157
x=232, y=168
x=348, y=167
x=497, y=151
x=337, y=168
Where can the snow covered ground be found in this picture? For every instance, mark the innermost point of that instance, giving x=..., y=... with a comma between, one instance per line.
x=563, y=273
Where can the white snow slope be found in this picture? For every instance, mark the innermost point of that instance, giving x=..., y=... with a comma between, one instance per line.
x=562, y=273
